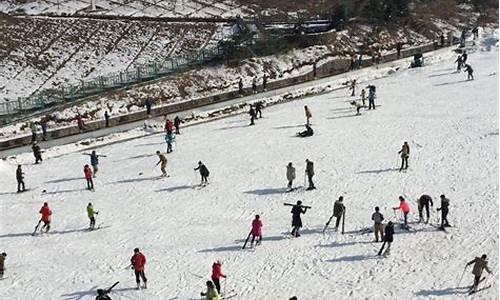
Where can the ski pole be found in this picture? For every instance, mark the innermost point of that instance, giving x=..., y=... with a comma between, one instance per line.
x=458, y=285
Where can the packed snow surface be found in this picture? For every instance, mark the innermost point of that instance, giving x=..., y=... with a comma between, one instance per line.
x=450, y=124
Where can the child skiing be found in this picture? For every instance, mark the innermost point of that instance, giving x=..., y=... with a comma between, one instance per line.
x=163, y=161
x=138, y=261
x=46, y=216
x=94, y=161
x=480, y=264
x=217, y=274
x=211, y=293
x=290, y=175
x=405, y=208
x=88, y=176
x=91, y=214
x=256, y=231
x=20, y=179
x=204, y=173
x=169, y=139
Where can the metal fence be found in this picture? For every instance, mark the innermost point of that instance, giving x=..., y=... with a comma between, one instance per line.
x=68, y=93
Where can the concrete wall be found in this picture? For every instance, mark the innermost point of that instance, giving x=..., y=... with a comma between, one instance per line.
x=330, y=68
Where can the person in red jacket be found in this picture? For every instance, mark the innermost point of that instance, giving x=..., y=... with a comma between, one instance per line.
x=138, y=261
x=256, y=230
x=217, y=274
x=79, y=122
x=88, y=175
x=46, y=213
x=405, y=208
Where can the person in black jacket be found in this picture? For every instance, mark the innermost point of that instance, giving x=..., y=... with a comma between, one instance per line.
x=388, y=238
x=102, y=295
x=470, y=72
x=308, y=132
x=203, y=172
x=37, y=152
x=297, y=209
x=310, y=174
x=423, y=202
x=258, y=109
x=20, y=179
x=445, y=203
x=338, y=211
x=252, y=114
x=177, y=124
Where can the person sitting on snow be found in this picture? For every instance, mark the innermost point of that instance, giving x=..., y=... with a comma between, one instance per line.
x=357, y=105
x=308, y=132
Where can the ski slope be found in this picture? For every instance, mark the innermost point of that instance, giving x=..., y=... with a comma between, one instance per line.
x=451, y=126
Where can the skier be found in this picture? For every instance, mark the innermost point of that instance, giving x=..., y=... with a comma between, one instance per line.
x=252, y=114
x=217, y=274
x=163, y=161
x=33, y=131
x=296, y=220
x=306, y=133
x=256, y=231
x=106, y=118
x=459, y=63
x=91, y=214
x=308, y=114
x=138, y=261
x=254, y=85
x=94, y=161
x=2, y=263
x=101, y=295
x=169, y=126
x=46, y=216
x=204, y=173
x=470, y=71
x=88, y=176
x=371, y=96
x=388, y=238
x=80, y=123
x=338, y=211
x=363, y=97
x=37, y=152
x=445, y=203
x=211, y=293
x=169, y=139
x=480, y=264
x=43, y=124
x=405, y=153
x=405, y=208
x=258, y=109
x=177, y=124
x=353, y=87
x=423, y=202
x=290, y=175
x=310, y=174
x=148, y=103
x=357, y=105
x=240, y=87
x=378, y=227
x=20, y=179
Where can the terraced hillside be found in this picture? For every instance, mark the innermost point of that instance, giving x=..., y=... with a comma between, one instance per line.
x=42, y=53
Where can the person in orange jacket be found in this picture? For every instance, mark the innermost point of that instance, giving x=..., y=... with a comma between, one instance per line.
x=405, y=208
x=217, y=274
x=46, y=216
x=138, y=261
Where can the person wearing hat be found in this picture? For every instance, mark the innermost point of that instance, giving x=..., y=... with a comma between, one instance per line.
x=204, y=173
x=138, y=261
x=480, y=264
x=2, y=263
x=405, y=208
x=211, y=293
x=296, y=220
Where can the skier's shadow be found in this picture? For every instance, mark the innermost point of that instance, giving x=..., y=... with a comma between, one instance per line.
x=222, y=249
x=352, y=258
x=64, y=179
x=134, y=180
x=234, y=127
x=64, y=191
x=444, y=292
x=81, y=294
x=288, y=126
x=177, y=188
x=377, y=171
x=268, y=191
x=451, y=82
x=343, y=117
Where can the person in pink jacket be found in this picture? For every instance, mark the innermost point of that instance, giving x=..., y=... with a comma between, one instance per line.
x=256, y=230
x=405, y=208
x=217, y=274
x=88, y=175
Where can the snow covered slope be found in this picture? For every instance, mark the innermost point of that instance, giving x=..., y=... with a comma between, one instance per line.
x=451, y=126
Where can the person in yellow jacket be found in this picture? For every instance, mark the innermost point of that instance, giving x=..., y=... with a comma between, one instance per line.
x=211, y=293
x=91, y=214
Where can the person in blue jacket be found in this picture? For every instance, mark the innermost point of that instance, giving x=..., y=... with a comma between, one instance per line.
x=94, y=160
x=169, y=139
